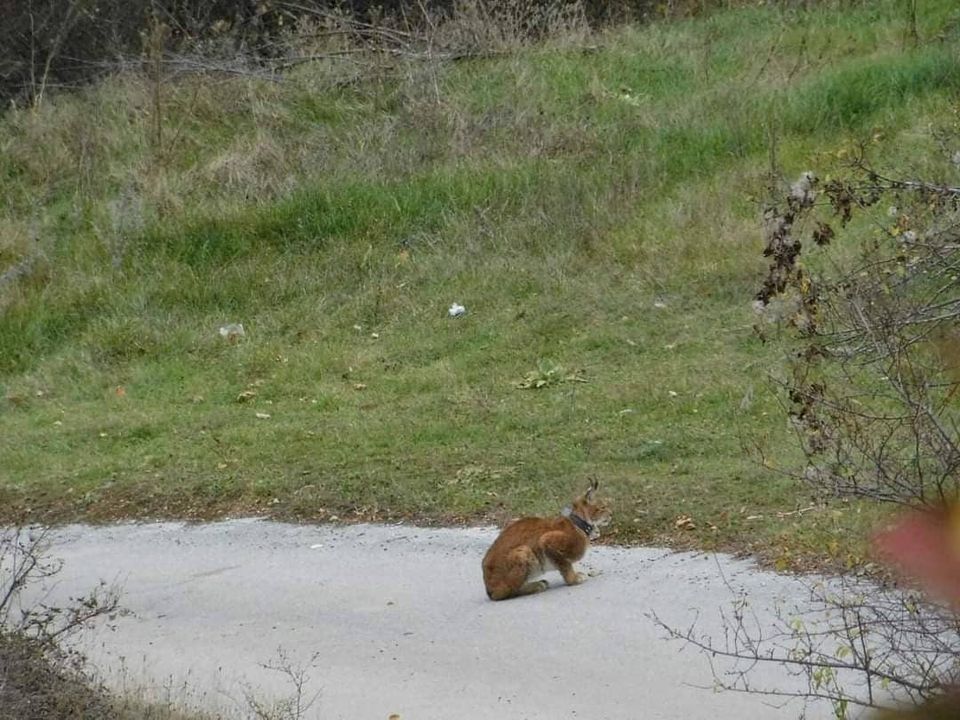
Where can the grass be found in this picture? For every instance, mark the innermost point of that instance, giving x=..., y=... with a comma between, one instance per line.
x=592, y=210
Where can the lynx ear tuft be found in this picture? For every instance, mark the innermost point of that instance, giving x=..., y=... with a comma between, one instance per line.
x=594, y=484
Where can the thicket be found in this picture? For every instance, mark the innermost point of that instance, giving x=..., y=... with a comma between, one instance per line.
x=46, y=44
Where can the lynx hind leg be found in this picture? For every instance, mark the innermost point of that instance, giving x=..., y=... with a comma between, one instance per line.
x=532, y=588
x=509, y=579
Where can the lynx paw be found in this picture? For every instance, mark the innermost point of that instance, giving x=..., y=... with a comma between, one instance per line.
x=577, y=579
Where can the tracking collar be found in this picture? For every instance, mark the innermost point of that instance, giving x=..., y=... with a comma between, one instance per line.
x=584, y=525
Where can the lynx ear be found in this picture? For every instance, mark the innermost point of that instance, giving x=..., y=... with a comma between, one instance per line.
x=594, y=484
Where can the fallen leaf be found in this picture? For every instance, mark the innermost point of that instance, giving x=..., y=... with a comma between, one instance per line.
x=121, y=391
x=246, y=395
x=263, y=416
x=359, y=386
x=685, y=522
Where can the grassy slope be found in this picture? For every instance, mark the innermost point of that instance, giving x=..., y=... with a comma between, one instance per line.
x=590, y=209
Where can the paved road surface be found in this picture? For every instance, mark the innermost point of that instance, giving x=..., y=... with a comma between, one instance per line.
x=400, y=623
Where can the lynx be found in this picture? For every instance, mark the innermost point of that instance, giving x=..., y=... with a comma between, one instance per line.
x=529, y=547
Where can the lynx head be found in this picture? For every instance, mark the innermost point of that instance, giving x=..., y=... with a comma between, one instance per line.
x=590, y=508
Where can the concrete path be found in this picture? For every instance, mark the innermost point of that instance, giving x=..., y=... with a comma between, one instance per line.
x=398, y=622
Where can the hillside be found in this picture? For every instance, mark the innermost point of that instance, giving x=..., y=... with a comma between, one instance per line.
x=592, y=201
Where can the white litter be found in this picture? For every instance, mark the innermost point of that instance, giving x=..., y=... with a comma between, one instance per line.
x=232, y=332
x=456, y=310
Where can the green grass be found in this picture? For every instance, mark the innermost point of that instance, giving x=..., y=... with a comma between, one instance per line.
x=593, y=210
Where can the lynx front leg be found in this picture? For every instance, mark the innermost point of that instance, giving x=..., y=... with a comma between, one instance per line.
x=555, y=546
x=570, y=576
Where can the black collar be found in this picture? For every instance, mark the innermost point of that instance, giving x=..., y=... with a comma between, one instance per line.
x=584, y=525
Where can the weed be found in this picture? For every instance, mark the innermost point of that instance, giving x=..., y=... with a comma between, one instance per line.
x=548, y=374
x=299, y=702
